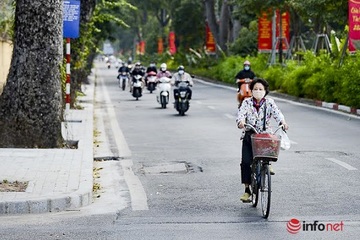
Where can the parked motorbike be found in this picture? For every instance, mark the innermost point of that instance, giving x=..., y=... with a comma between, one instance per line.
x=151, y=81
x=244, y=90
x=123, y=78
x=163, y=91
x=182, y=102
x=137, y=86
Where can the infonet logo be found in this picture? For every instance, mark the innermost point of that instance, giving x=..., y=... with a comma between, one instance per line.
x=294, y=226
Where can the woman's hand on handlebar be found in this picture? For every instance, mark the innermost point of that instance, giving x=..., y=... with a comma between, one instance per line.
x=241, y=124
x=285, y=127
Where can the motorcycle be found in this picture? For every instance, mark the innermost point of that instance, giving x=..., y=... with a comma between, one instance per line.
x=182, y=102
x=163, y=91
x=151, y=81
x=244, y=91
x=137, y=86
x=108, y=64
x=123, y=78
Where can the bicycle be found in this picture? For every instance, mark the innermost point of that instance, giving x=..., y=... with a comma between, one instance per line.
x=266, y=149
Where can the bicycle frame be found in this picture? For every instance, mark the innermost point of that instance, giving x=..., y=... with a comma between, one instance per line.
x=261, y=181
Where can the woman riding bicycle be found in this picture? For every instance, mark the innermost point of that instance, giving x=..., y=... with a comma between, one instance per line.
x=256, y=111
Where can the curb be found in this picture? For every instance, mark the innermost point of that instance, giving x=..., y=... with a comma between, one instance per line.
x=317, y=103
x=77, y=126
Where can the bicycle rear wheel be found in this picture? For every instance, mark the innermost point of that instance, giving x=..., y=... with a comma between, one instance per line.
x=254, y=184
x=265, y=190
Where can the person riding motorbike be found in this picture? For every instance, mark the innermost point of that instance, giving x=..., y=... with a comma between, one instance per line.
x=182, y=76
x=150, y=68
x=123, y=68
x=246, y=72
x=245, y=76
x=163, y=71
x=136, y=71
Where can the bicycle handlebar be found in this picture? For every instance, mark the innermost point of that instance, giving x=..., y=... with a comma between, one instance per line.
x=277, y=129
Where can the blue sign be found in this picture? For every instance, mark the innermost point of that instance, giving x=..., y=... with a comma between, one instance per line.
x=71, y=18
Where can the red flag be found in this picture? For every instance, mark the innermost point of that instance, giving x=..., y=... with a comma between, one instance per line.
x=172, y=47
x=210, y=41
x=142, y=48
x=160, y=45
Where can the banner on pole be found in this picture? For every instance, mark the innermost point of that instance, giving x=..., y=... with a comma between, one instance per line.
x=354, y=25
x=142, y=47
x=265, y=31
x=209, y=41
x=160, y=45
x=172, y=46
x=71, y=18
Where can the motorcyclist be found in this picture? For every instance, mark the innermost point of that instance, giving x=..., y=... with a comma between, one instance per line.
x=150, y=68
x=246, y=72
x=163, y=71
x=182, y=76
x=123, y=68
x=136, y=71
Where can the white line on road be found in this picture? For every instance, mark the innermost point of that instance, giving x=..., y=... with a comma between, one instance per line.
x=343, y=164
x=229, y=116
x=211, y=107
x=136, y=189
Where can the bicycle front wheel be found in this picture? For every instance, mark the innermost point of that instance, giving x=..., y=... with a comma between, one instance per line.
x=265, y=190
x=255, y=177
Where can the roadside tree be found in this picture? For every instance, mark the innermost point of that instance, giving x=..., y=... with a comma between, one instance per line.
x=31, y=104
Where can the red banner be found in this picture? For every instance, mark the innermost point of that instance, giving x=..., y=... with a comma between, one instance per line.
x=142, y=47
x=285, y=27
x=210, y=41
x=160, y=45
x=354, y=24
x=172, y=46
x=264, y=33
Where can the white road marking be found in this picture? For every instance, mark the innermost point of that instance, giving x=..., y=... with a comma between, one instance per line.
x=136, y=189
x=343, y=164
x=211, y=107
x=229, y=116
x=198, y=102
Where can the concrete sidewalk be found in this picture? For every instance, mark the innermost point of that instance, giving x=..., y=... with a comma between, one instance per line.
x=58, y=179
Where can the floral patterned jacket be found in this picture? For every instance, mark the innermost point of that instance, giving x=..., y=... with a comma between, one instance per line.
x=248, y=113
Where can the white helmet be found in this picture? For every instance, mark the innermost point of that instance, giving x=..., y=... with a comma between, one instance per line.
x=163, y=67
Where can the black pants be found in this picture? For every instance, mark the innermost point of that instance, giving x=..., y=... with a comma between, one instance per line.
x=246, y=158
x=176, y=93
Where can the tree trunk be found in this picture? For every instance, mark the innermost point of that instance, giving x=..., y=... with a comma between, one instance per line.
x=221, y=30
x=236, y=26
x=224, y=26
x=30, y=106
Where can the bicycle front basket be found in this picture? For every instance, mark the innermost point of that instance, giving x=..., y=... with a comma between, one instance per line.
x=265, y=145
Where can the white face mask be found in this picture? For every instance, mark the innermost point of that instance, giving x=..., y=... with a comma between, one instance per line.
x=258, y=94
x=247, y=68
x=181, y=72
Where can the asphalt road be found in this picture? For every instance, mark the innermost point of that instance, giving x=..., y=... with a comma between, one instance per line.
x=185, y=179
